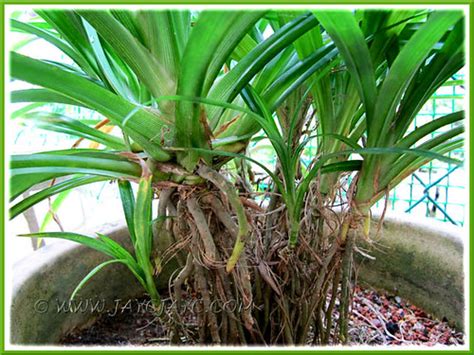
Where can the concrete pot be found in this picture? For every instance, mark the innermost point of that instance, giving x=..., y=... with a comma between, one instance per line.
x=43, y=282
x=419, y=262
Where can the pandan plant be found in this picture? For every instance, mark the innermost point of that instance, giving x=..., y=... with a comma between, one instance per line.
x=188, y=91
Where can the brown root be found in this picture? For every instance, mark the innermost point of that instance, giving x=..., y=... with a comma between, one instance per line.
x=273, y=295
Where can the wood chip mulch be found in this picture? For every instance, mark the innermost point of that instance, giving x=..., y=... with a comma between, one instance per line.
x=382, y=319
x=377, y=319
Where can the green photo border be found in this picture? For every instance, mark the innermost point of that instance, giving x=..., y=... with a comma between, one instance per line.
x=234, y=2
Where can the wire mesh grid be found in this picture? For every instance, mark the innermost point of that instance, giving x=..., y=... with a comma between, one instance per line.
x=437, y=189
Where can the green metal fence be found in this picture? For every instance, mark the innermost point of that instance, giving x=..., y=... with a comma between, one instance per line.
x=436, y=190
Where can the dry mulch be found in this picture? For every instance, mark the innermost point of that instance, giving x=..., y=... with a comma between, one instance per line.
x=382, y=319
x=377, y=319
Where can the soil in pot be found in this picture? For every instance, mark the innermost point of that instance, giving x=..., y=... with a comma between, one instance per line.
x=377, y=318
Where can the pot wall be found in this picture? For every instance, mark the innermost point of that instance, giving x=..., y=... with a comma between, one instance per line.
x=419, y=262
x=44, y=281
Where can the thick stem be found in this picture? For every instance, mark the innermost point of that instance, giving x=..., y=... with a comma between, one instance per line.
x=203, y=228
x=228, y=189
x=243, y=276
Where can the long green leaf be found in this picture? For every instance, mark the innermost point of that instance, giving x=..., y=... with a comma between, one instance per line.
x=142, y=218
x=428, y=128
x=54, y=40
x=211, y=42
x=404, y=68
x=430, y=146
x=143, y=126
x=75, y=237
x=23, y=183
x=115, y=81
x=127, y=260
x=153, y=74
x=57, y=164
x=43, y=96
x=69, y=25
x=119, y=251
x=63, y=124
x=348, y=37
x=234, y=81
x=143, y=233
x=92, y=273
x=52, y=190
x=25, y=109
x=165, y=34
x=128, y=205
x=445, y=63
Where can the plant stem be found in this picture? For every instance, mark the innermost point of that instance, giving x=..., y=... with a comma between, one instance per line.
x=228, y=189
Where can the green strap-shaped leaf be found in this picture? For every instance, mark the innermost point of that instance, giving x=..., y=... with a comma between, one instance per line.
x=128, y=19
x=165, y=34
x=69, y=25
x=55, y=41
x=49, y=165
x=92, y=273
x=307, y=46
x=66, y=185
x=24, y=182
x=128, y=205
x=143, y=234
x=142, y=222
x=321, y=60
x=104, y=245
x=119, y=251
x=25, y=109
x=42, y=96
x=240, y=75
x=404, y=161
x=349, y=39
x=152, y=73
x=349, y=165
x=212, y=40
x=428, y=128
x=444, y=64
x=75, y=237
x=117, y=82
x=142, y=126
x=442, y=149
x=406, y=64
x=59, y=123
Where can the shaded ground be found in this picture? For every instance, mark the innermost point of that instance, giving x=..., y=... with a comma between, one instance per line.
x=377, y=319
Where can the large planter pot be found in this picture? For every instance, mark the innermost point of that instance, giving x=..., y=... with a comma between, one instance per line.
x=416, y=261
x=43, y=283
x=420, y=260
